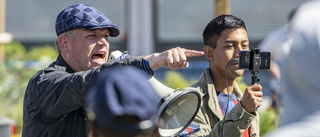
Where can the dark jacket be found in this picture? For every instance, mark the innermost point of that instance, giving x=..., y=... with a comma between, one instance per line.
x=54, y=102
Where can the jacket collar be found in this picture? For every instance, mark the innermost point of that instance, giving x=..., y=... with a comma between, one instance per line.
x=206, y=83
x=60, y=62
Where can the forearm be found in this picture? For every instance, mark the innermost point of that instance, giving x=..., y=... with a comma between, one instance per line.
x=153, y=63
x=234, y=123
x=174, y=58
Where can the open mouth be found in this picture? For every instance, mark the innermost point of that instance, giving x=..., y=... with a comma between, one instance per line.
x=99, y=56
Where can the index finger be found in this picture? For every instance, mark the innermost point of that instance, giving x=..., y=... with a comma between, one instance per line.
x=193, y=53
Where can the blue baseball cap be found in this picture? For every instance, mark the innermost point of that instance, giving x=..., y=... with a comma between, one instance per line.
x=120, y=92
x=86, y=17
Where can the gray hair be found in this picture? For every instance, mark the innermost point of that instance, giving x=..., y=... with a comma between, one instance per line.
x=70, y=34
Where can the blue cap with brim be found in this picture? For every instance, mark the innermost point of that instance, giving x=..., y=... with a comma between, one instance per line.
x=85, y=17
x=121, y=92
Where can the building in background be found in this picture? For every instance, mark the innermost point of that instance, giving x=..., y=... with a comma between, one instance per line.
x=148, y=26
x=174, y=22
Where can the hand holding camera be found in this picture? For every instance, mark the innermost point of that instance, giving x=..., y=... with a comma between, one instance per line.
x=252, y=98
x=253, y=60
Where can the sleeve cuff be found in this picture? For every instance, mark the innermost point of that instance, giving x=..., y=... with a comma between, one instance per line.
x=146, y=67
x=241, y=117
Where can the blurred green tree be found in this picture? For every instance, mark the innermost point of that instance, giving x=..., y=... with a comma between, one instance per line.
x=15, y=74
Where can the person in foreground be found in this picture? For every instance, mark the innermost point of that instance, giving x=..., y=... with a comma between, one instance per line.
x=300, y=86
x=224, y=110
x=54, y=101
x=123, y=104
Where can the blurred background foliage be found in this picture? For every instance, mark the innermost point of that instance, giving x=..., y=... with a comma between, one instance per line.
x=16, y=51
x=21, y=64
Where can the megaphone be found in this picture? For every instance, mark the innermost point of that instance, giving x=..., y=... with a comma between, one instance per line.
x=177, y=108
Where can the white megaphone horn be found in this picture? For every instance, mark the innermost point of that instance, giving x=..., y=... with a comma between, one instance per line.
x=177, y=108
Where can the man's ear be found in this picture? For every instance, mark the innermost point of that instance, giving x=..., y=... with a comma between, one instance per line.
x=208, y=52
x=63, y=44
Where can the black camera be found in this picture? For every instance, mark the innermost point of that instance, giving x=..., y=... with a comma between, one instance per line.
x=254, y=60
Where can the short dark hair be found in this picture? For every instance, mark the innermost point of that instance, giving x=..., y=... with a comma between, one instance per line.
x=214, y=28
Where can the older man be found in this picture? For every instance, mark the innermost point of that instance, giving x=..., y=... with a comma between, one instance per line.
x=54, y=102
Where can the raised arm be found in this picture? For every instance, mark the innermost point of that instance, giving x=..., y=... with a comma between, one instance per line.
x=174, y=58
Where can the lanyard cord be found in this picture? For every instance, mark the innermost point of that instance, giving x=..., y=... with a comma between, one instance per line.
x=225, y=78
